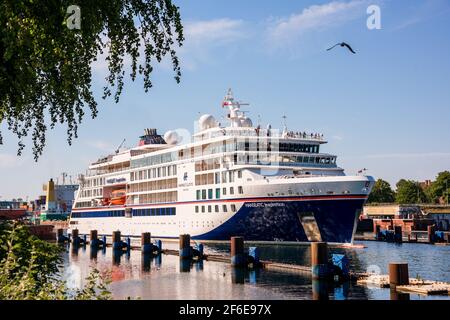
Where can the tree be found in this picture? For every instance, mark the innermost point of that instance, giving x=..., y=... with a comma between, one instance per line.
x=440, y=188
x=29, y=269
x=45, y=66
x=381, y=192
x=409, y=191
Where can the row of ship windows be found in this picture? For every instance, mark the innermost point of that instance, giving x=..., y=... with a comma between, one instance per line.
x=153, y=173
x=92, y=193
x=94, y=182
x=121, y=213
x=209, y=208
x=216, y=177
x=237, y=144
x=203, y=194
x=94, y=214
x=155, y=212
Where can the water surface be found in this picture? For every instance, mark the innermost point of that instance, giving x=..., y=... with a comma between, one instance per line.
x=166, y=277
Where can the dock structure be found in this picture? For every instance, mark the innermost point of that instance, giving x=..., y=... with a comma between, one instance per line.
x=321, y=268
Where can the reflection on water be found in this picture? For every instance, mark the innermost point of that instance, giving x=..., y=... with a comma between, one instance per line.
x=136, y=275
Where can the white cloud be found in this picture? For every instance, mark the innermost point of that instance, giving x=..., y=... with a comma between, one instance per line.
x=337, y=137
x=316, y=17
x=101, y=145
x=203, y=37
x=215, y=32
x=10, y=161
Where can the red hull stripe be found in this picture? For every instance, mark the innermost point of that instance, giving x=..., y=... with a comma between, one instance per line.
x=265, y=199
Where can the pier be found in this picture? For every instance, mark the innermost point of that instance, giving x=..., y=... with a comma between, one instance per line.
x=324, y=267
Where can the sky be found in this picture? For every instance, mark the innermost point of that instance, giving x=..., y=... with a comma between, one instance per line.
x=386, y=108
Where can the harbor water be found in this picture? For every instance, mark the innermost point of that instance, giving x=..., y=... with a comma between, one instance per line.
x=166, y=277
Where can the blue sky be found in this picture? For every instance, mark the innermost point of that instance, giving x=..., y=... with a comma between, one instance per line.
x=386, y=109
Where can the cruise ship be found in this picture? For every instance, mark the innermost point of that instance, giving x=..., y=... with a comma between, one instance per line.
x=232, y=179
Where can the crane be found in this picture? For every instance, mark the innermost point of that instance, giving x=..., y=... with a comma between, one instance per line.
x=120, y=145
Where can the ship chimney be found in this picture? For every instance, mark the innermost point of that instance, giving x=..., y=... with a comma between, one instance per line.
x=51, y=203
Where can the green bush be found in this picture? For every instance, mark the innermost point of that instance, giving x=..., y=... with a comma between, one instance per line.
x=30, y=269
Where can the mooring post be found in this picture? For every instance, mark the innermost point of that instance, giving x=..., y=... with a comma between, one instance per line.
x=128, y=243
x=448, y=237
x=117, y=243
x=430, y=230
x=319, y=260
x=104, y=241
x=146, y=242
x=253, y=252
x=377, y=231
x=185, y=246
x=237, y=252
x=158, y=244
x=398, y=236
x=60, y=235
x=93, y=238
x=398, y=274
x=75, y=237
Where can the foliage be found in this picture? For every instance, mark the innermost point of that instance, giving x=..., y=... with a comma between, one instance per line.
x=440, y=188
x=29, y=269
x=409, y=191
x=381, y=193
x=45, y=67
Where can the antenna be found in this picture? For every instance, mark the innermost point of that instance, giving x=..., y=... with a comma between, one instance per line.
x=284, y=122
x=121, y=144
x=64, y=175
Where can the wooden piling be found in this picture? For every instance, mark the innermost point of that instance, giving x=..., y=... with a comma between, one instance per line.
x=448, y=237
x=431, y=230
x=319, y=260
x=377, y=231
x=146, y=242
x=237, y=251
x=60, y=235
x=93, y=235
x=185, y=246
x=116, y=240
x=398, y=235
x=74, y=234
x=398, y=274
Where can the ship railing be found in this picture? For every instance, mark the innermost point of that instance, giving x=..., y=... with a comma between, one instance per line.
x=254, y=132
x=96, y=172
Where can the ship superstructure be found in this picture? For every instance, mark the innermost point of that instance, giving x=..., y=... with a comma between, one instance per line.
x=228, y=180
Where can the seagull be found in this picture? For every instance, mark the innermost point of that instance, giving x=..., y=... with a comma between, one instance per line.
x=342, y=44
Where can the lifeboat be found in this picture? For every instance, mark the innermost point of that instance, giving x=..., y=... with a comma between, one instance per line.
x=118, y=197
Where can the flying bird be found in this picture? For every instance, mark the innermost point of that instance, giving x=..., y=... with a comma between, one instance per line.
x=342, y=44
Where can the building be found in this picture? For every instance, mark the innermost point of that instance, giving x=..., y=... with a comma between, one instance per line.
x=409, y=216
x=440, y=215
x=14, y=209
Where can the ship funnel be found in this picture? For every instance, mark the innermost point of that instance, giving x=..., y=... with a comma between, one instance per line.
x=50, y=201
